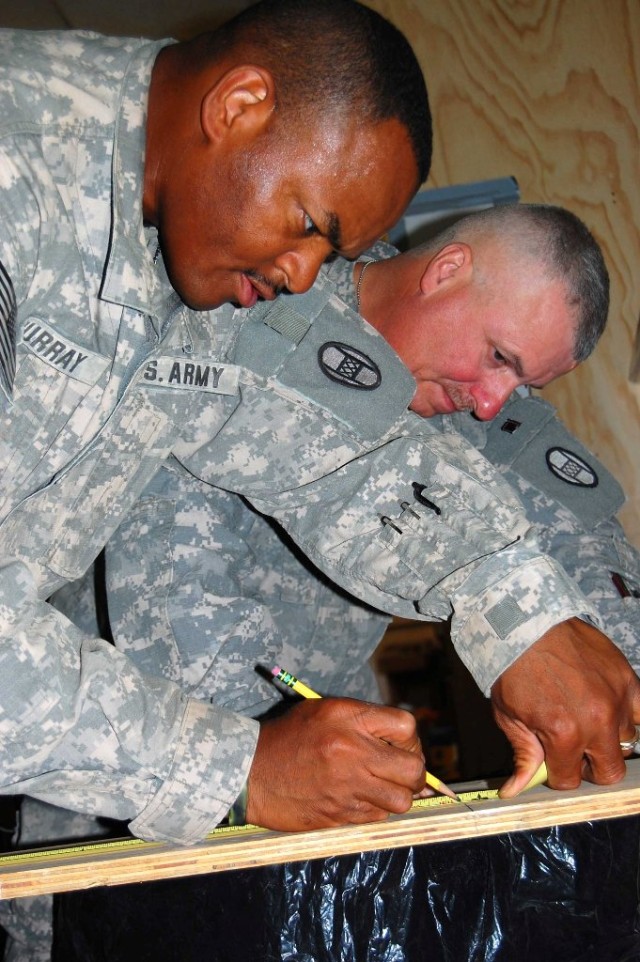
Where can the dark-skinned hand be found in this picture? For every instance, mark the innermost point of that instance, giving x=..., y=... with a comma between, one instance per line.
x=569, y=700
x=334, y=761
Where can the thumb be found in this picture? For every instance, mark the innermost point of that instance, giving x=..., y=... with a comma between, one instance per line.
x=529, y=766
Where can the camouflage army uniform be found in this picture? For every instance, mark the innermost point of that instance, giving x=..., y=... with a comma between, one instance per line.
x=201, y=588
x=114, y=377
x=571, y=501
x=80, y=438
x=107, y=376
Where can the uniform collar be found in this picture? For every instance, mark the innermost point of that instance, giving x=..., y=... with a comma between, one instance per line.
x=131, y=277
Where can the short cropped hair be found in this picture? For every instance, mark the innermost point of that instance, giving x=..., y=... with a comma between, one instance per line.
x=332, y=56
x=562, y=243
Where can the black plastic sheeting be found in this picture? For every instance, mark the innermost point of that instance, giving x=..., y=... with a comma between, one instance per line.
x=564, y=894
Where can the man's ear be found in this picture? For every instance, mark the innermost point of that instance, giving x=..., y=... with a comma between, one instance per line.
x=453, y=264
x=242, y=99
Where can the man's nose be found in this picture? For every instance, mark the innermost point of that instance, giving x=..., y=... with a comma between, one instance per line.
x=300, y=267
x=490, y=396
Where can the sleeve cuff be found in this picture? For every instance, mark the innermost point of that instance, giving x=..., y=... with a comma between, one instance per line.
x=209, y=770
x=494, y=626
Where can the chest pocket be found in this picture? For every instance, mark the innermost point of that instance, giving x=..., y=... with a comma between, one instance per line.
x=101, y=487
x=60, y=529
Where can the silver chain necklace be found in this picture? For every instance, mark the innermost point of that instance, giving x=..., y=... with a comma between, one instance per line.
x=359, y=284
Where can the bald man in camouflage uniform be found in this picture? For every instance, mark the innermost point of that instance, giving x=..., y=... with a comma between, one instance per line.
x=109, y=149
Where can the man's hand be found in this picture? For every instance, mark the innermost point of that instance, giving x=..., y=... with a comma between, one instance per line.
x=570, y=699
x=334, y=761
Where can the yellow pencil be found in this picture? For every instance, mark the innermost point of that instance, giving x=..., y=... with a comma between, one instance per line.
x=298, y=686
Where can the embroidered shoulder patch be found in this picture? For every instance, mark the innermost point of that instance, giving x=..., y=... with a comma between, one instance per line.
x=8, y=312
x=348, y=366
x=568, y=467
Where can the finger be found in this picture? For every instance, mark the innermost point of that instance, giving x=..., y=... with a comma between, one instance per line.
x=635, y=700
x=389, y=798
x=393, y=726
x=528, y=753
x=605, y=764
x=396, y=767
x=596, y=757
x=633, y=737
x=590, y=747
x=564, y=762
x=630, y=744
x=361, y=746
x=426, y=792
x=614, y=742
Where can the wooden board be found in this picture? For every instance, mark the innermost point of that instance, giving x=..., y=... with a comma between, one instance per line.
x=42, y=873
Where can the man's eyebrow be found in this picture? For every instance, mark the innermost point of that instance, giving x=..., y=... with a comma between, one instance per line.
x=517, y=366
x=515, y=361
x=332, y=230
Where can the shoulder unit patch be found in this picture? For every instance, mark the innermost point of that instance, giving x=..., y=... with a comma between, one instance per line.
x=349, y=366
x=568, y=467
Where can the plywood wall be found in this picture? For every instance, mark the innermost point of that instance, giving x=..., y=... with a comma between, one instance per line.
x=549, y=91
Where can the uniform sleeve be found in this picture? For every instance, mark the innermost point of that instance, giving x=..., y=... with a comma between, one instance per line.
x=83, y=728
x=19, y=231
x=431, y=530
x=207, y=592
x=570, y=500
x=602, y=562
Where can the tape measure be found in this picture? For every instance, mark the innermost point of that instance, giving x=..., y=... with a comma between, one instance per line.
x=109, y=846
x=478, y=795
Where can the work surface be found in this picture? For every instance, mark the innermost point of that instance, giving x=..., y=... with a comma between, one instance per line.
x=117, y=862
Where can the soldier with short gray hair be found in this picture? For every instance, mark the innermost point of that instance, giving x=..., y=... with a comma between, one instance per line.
x=386, y=523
